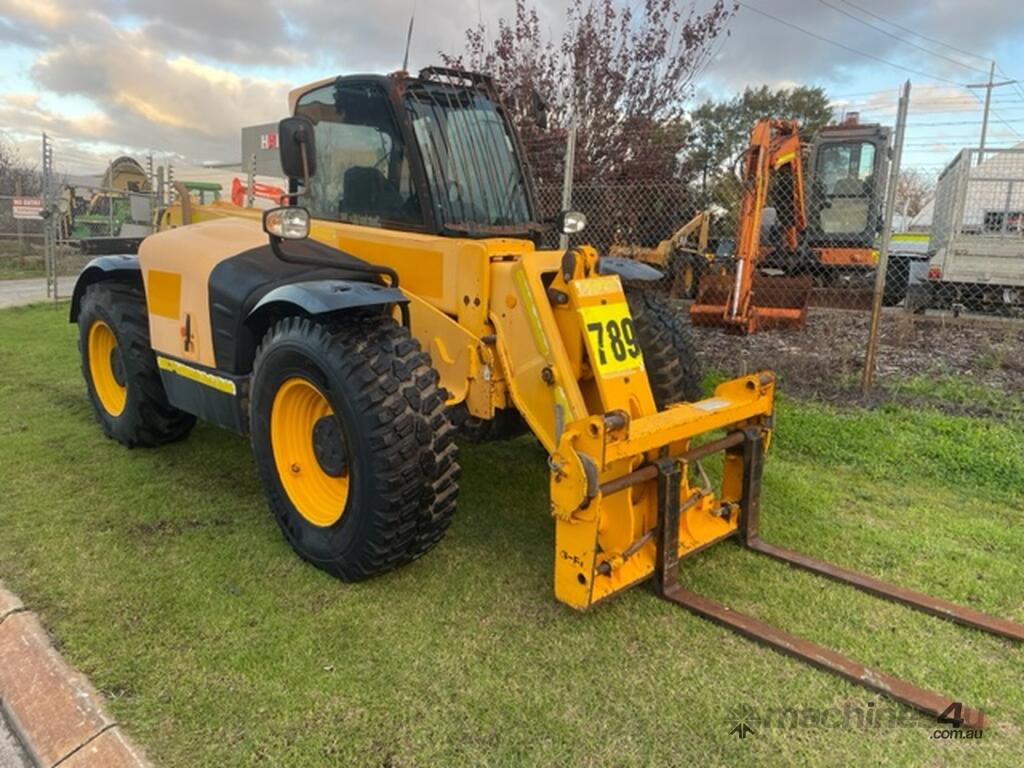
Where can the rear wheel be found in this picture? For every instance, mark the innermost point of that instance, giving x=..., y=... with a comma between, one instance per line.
x=120, y=369
x=352, y=442
x=669, y=354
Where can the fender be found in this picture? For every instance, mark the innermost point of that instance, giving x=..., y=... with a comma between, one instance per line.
x=321, y=297
x=316, y=297
x=122, y=268
x=627, y=269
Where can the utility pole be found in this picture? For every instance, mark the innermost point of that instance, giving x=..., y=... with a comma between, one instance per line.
x=988, y=103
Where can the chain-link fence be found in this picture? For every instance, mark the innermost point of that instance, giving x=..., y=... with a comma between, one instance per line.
x=808, y=216
x=22, y=240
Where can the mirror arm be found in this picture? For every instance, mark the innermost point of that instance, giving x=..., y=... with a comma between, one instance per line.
x=294, y=196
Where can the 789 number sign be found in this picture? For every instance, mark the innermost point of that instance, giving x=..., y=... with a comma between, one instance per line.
x=611, y=339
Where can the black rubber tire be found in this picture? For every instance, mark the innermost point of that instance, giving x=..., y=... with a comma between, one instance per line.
x=400, y=441
x=670, y=358
x=147, y=420
x=506, y=424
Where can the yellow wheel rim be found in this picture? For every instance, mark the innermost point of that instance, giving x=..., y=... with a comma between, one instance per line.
x=106, y=368
x=297, y=417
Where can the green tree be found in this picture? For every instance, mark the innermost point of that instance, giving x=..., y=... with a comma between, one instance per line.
x=720, y=130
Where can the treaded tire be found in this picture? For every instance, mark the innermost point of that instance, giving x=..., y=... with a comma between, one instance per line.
x=147, y=419
x=506, y=424
x=399, y=442
x=669, y=354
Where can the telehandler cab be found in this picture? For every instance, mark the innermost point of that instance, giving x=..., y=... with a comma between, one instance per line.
x=343, y=337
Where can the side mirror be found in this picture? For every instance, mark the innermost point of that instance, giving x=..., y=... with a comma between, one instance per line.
x=288, y=223
x=297, y=148
x=572, y=222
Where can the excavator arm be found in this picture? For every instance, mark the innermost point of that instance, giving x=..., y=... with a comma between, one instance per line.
x=746, y=301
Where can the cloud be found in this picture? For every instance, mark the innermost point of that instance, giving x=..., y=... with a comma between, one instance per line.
x=181, y=75
x=777, y=53
x=143, y=98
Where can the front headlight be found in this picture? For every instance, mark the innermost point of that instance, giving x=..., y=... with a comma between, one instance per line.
x=573, y=222
x=288, y=223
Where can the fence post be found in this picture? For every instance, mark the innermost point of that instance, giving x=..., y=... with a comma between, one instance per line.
x=570, y=163
x=883, y=248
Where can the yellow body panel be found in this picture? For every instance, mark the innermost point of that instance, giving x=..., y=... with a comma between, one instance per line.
x=190, y=255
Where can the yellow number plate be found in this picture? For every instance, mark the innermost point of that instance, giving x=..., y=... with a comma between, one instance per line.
x=611, y=339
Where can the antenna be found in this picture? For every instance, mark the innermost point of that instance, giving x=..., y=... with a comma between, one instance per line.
x=408, y=38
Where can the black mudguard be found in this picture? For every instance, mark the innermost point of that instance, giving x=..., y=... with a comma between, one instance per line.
x=248, y=290
x=123, y=268
x=627, y=269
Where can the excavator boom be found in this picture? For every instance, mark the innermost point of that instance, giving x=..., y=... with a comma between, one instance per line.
x=746, y=301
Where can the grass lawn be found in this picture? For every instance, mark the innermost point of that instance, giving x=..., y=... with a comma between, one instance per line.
x=162, y=576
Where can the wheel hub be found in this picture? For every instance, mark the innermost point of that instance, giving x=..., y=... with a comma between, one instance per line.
x=329, y=447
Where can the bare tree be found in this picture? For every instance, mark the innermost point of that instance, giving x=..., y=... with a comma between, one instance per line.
x=914, y=189
x=16, y=175
x=624, y=77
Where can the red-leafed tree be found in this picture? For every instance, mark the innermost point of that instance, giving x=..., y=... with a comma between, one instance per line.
x=623, y=72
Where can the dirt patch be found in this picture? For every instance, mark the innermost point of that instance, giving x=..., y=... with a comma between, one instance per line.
x=824, y=360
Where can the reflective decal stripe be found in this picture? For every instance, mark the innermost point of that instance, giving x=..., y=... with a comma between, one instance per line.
x=219, y=383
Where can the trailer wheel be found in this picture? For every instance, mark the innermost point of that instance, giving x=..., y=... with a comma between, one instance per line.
x=120, y=369
x=352, y=443
x=669, y=354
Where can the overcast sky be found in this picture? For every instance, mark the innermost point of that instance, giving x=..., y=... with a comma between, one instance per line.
x=182, y=76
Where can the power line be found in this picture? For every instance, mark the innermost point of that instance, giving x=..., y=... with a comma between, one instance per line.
x=900, y=39
x=865, y=54
x=956, y=122
x=912, y=31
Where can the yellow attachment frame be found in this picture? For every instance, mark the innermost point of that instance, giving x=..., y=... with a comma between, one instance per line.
x=577, y=374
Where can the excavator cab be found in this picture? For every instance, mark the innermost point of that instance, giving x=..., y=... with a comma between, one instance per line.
x=849, y=166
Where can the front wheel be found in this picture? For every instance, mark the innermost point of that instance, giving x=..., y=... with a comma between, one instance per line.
x=663, y=330
x=352, y=443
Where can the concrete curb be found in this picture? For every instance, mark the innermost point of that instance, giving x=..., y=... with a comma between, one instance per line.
x=54, y=710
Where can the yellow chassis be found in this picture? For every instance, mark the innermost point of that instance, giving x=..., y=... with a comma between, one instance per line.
x=507, y=326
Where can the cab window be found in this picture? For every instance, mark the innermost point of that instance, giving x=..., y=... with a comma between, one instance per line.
x=363, y=174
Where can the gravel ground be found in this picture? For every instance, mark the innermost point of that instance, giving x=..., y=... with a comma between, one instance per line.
x=824, y=360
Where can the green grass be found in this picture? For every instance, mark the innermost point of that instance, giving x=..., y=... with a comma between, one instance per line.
x=959, y=393
x=162, y=576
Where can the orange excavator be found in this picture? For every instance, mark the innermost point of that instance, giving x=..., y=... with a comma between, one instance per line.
x=746, y=300
x=827, y=232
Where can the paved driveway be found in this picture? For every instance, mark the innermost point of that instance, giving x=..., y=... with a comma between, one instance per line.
x=15, y=293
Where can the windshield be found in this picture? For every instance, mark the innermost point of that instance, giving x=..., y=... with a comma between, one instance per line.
x=846, y=174
x=475, y=176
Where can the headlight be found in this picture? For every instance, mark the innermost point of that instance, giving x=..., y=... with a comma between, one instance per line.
x=573, y=222
x=287, y=223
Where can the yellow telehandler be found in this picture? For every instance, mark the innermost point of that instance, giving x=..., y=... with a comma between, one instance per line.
x=342, y=334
